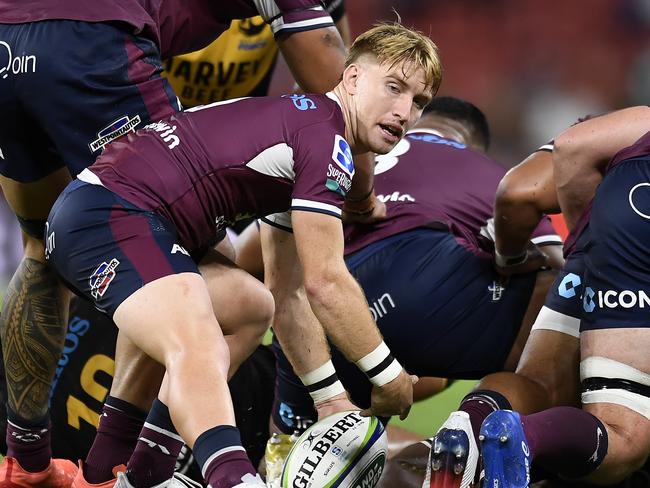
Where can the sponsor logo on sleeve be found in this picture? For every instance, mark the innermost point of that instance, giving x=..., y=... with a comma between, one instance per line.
x=102, y=278
x=339, y=176
x=115, y=129
x=342, y=155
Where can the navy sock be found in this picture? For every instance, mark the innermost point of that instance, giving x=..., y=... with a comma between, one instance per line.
x=155, y=454
x=481, y=403
x=221, y=457
x=566, y=440
x=119, y=426
x=29, y=441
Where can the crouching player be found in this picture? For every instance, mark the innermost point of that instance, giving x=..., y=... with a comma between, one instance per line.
x=610, y=436
x=427, y=271
x=126, y=234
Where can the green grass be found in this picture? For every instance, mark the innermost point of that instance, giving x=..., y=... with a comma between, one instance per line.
x=427, y=416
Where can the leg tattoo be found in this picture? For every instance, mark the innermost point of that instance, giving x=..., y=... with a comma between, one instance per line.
x=32, y=328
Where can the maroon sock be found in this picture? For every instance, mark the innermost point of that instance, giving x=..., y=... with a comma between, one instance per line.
x=481, y=403
x=29, y=442
x=566, y=440
x=117, y=434
x=154, y=458
x=221, y=457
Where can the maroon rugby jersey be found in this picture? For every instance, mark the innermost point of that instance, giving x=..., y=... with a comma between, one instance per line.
x=210, y=166
x=430, y=181
x=177, y=26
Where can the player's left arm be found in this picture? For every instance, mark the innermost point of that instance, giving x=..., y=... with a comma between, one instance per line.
x=581, y=154
x=315, y=57
x=523, y=196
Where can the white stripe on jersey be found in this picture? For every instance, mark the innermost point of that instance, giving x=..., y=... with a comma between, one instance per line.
x=274, y=161
x=547, y=239
x=300, y=204
x=214, y=104
x=278, y=24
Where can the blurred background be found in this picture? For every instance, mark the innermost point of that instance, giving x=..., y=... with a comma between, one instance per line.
x=533, y=66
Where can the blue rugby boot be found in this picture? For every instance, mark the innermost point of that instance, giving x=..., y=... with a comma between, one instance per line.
x=454, y=454
x=506, y=456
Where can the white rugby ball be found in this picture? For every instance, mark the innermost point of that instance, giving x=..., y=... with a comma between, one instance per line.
x=344, y=450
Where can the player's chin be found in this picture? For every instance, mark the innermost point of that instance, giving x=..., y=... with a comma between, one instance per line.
x=382, y=145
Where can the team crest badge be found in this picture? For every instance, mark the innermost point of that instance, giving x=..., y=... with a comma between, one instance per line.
x=102, y=277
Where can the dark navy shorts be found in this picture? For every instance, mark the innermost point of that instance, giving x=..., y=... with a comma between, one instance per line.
x=105, y=248
x=439, y=307
x=68, y=88
x=617, y=257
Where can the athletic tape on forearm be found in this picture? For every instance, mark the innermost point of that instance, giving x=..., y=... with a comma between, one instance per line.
x=322, y=383
x=505, y=261
x=380, y=365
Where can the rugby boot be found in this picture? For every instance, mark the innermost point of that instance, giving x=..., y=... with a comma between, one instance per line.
x=506, y=456
x=59, y=474
x=454, y=454
x=80, y=481
x=179, y=480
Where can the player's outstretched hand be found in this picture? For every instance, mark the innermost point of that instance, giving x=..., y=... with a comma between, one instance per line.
x=338, y=403
x=394, y=398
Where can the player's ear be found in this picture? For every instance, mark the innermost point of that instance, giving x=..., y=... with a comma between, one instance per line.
x=351, y=78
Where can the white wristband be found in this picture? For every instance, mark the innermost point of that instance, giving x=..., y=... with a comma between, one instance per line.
x=322, y=383
x=380, y=365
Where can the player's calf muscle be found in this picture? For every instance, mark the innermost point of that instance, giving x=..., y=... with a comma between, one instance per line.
x=32, y=327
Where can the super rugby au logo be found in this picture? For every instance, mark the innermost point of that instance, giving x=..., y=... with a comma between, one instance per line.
x=102, y=278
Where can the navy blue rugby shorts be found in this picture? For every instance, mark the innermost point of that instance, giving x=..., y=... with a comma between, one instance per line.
x=69, y=88
x=106, y=248
x=617, y=257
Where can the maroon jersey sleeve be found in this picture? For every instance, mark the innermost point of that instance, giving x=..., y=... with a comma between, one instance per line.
x=323, y=173
x=324, y=170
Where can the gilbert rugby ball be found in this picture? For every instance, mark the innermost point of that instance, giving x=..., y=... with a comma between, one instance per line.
x=343, y=450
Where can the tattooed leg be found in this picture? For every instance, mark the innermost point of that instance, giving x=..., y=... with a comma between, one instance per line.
x=32, y=329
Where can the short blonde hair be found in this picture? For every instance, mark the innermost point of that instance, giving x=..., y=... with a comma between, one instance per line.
x=392, y=43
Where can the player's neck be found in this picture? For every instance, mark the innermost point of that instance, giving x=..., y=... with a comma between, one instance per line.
x=348, y=110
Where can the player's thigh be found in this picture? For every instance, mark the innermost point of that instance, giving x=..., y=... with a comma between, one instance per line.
x=171, y=316
x=34, y=200
x=615, y=373
x=238, y=298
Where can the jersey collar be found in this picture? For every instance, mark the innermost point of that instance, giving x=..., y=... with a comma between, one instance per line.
x=332, y=96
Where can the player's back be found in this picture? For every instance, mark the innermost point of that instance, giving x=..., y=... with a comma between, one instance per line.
x=227, y=161
x=430, y=181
